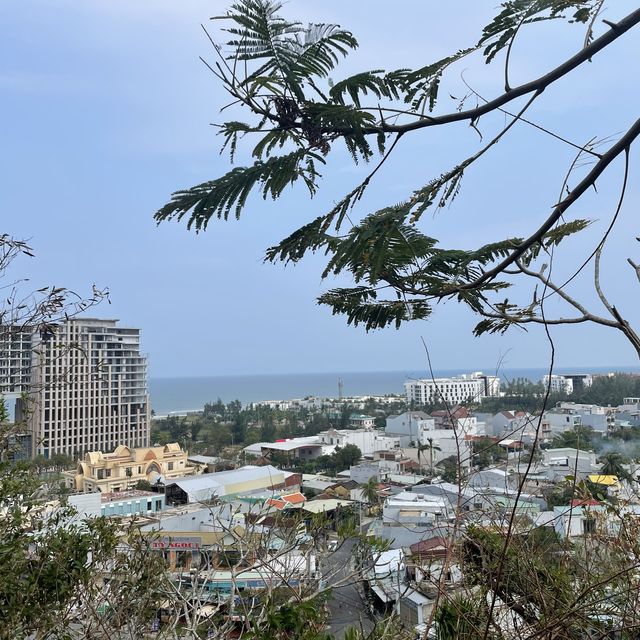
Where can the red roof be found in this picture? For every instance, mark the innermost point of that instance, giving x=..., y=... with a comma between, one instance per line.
x=431, y=547
x=293, y=498
x=585, y=503
x=282, y=501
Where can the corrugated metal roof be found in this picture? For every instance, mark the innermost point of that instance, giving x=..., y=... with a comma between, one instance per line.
x=215, y=483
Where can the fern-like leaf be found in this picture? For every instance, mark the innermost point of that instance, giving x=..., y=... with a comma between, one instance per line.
x=217, y=198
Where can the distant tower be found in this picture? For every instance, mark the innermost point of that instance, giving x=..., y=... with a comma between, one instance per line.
x=340, y=388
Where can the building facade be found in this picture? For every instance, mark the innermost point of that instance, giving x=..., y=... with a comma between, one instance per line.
x=86, y=386
x=567, y=383
x=452, y=391
x=123, y=468
x=367, y=440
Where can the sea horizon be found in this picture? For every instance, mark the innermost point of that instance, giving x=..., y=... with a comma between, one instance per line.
x=180, y=394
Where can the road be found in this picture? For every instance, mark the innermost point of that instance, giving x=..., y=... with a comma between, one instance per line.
x=346, y=606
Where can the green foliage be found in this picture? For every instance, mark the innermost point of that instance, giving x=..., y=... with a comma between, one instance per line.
x=218, y=197
x=502, y=30
x=580, y=437
x=51, y=566
x=449, y=469
x=526, y=574
x=290, y=621
x=487, y=453
x=461, y=618
x=613, y=465
x=282, y=71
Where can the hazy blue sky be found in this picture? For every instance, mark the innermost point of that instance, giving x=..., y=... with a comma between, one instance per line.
x=106, y=110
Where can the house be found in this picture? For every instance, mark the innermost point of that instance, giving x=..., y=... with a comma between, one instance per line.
x=342, y=489
x=460, y=419
x=566, y=461
x=414, y=508
x=426, y=560
x=408, y=426
x=362, y=472
x=306, y=448
x=123, y=468
x=512, y=425
x=361, y=421
x=367, y=440
x=394, y=462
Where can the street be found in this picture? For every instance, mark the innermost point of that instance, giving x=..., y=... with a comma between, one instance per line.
x=346, y=606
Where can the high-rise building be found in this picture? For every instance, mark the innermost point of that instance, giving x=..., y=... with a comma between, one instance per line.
x=453, y=391
x=85, y=387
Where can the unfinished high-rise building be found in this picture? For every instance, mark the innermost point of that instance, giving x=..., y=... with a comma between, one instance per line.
x=81, y=388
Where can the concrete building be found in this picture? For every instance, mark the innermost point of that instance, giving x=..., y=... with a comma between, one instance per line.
x=566, y=461
x=363, y=472
x=121, y=503
x=367, y=440
x=306, y=448
x=408, y=426
x=567, y=383
x=86, y=384
x=361, y=421
x=408, y=508
x=15, y=360
x=452, y=391
x=124, y=467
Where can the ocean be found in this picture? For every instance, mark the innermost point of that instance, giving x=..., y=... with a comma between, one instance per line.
x=190, y=394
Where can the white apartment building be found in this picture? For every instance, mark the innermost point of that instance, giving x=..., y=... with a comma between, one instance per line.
x=567, y=383
x=452, y=391
x=86, y=388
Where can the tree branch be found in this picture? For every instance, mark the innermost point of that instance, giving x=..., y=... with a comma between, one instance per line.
x=588, y=181
x=537, y=85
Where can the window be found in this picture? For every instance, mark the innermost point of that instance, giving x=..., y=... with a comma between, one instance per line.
x=170, y=466
x=589, y=525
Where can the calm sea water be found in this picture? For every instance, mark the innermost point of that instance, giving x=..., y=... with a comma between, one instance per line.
x=191, y=394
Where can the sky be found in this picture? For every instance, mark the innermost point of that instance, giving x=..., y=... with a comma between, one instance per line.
x=107, y=110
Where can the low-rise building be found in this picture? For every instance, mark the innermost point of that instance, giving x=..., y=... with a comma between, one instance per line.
x=414, y=508
x=566, y=460
x=243, y=481
x=121, y=503
x=367, y=440
x=123, y=468
x=306, y=448
x=408, y=426
x=361, y=421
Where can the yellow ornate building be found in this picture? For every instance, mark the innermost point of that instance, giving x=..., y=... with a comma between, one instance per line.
x=124, y=467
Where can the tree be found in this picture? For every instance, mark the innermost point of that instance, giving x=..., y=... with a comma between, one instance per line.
x=282, y=73
x=347, y=456
x=284, y=76
x=487, y=452
x=370, y=491
x=52, y=565
x=580, y=437
x=430, y=447
x=613, y=464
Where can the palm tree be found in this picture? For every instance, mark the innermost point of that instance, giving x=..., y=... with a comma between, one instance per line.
x=430, y=447
x=370, y=491
x=612, y=464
